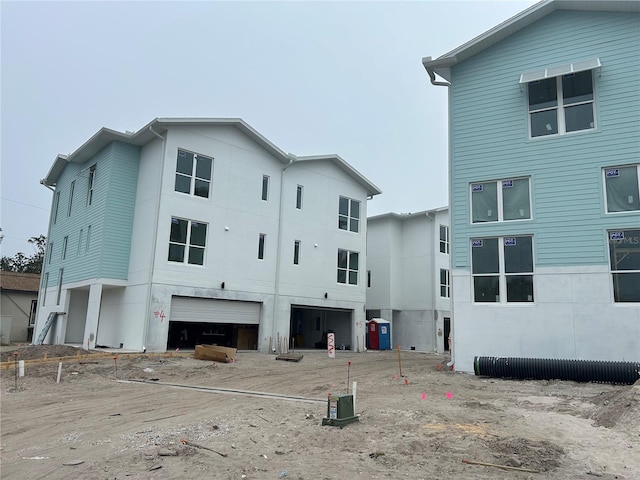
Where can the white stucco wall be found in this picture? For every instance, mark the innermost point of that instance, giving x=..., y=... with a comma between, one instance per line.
x=570, y=319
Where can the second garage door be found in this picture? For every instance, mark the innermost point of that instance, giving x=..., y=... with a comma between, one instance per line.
x=208, y=310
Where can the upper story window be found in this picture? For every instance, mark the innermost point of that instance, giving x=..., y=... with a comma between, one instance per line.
x=622, y=186
x=349, y=214
x=561, y=99
x=500, y=201
x=65, y=242
x=502, y=264
x=56, y=205
x=368, y=278
x=187, y=241
x=265, y=187
x=193, y=174
x=92, y=178
x=299, y=197
x=262, y=241
x=45, y=285
x=445, y=283
x=296, y=252
x=71, y=189
x=444, y=239
x=624, y=255
x=50, y=253
x=348, y=267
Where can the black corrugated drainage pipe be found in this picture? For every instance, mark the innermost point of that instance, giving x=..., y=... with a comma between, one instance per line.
x=549, y=368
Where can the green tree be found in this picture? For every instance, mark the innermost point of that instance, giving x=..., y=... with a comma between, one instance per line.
x=24, y=264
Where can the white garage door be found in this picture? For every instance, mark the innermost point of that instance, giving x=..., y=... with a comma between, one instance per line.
x=190, y=309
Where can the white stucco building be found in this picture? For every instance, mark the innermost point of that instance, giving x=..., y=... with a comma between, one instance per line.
x=202, y=231
x=408, y=280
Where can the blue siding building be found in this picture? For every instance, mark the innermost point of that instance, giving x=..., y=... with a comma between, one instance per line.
x=544, y=180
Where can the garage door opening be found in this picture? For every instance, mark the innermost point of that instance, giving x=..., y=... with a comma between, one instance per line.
x=309, y=327
x=186, y=335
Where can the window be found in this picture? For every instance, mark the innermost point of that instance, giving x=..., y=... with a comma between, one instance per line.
x=65, y=241
x=59, y=292
x=624, y=254
x=56, y=204
x=262, y=238
x=92, y=177
x=73, y=187
x=622, y=186
x=265, y=187
x=445, y=283
x=561, y=104
x=50, y=253
x=349, y=214
x=347, y=267
x=444, y=239
x=88, y=238
x=45, y=285
x=296, y=252
x=187, y=241
x=193, y=174
x=299, y=197
x=368, y=278
x=502, y=264
x=500, y=201
x=80, y=242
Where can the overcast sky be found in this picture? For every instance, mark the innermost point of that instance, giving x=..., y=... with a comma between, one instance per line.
x=312, y=77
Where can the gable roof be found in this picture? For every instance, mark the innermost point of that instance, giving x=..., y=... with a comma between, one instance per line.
x=344, y=166
x=159, y=126
x=20, y=282
x=406, y=216
x=441, y=66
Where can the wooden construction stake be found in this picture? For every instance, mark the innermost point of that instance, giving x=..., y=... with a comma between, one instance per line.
x=399, y=362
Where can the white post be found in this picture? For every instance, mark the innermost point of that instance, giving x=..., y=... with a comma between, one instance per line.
x=59, y=372
x=353, y=389
x=21, y=368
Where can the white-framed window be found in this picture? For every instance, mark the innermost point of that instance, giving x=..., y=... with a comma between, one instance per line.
x=622, y=188
x=80, y=241
x=92, y=178
x=445, y=283
x=65, y=242
x=45, y=285
x=561, y=104
x=502, y=269
x=265, y=188
x=71, y=189
x=50, y=253
x=349, y=214
x=296, y=252
x=299, y=191
x=193, y=174
x=56, y=205
x=59, y=291
x=88, y=238
x=187, y=241
x=501, y=201
x=368, y=278
x=262, y=242
x=624, y=255
x=348, y=267
x=444, y=239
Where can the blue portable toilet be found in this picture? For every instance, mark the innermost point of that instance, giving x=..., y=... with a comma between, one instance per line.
x=379, y=334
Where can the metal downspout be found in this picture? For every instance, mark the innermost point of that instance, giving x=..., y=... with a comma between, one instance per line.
x=155, y=240
x=292, y=159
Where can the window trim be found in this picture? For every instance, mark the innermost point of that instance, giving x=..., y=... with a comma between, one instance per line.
x=296, y=252
x=446, y=286
x=193, y=177
x=65, y=244
x=500, y=200
x=604, y=188
x=59, y=290
x=350, y=218
x=262, y=245
x=299, y=193
x=266, y=182
x=612, y=235
x=71, y=191
x=50, y=253
x=444, y=241
x=56, y=207
x=348, y=269
x=92, y=179
x=45, y=285
x=502, y=274
x=187, y=245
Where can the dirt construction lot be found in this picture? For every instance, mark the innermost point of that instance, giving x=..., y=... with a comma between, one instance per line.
x=93, y=425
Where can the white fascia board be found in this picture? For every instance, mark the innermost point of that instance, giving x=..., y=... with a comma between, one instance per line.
x=344, y=165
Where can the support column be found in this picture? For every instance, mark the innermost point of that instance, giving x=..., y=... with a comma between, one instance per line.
x=93, y=313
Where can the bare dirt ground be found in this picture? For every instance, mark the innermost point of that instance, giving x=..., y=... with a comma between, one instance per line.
x=94, y=426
